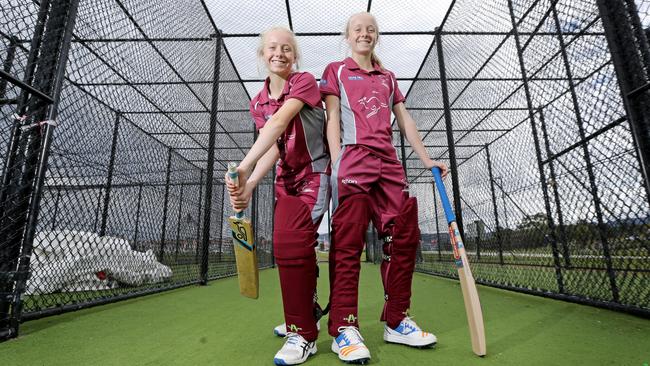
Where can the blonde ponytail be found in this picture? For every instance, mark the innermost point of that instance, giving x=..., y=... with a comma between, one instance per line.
x=375, y=60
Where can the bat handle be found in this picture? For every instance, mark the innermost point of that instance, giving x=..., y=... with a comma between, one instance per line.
x=449, y=213
x=234, y=176
x=232, y=173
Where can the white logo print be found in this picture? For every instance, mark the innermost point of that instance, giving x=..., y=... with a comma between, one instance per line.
x=306, y=188
x=373, y=104
x=384, y=82
x=349, y=181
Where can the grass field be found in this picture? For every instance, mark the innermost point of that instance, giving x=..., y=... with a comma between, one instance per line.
x=213, y=325
x=586, y=277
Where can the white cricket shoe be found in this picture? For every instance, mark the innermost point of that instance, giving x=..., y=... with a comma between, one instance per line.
x=295, y=351
x=408, y=333
x=281, y=330
x=349, y=346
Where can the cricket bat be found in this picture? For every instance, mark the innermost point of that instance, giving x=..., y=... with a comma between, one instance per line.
x=467, y=284
x=245, y=249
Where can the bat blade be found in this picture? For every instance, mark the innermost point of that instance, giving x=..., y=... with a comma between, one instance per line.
x=245, y=256
x=470, y=294
x=467, y=283
x=244, y=247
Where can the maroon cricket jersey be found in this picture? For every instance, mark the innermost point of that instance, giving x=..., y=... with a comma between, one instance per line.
x=303, y=147
x=367, y=99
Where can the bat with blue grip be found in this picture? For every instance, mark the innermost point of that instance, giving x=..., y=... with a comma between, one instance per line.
x=467, y=283
x=244, y=246
x=454, y=234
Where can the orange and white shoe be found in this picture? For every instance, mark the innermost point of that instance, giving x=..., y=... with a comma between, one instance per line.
x=408, y=333
x=349, y=346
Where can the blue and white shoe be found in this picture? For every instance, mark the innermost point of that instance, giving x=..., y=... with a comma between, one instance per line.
x=408, y=333
x=281, y=330
x=349, y=346
x=295, y=351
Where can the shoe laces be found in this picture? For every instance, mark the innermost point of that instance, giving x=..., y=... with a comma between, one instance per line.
x=410, y=324
x=293, y=338
x=351, y=334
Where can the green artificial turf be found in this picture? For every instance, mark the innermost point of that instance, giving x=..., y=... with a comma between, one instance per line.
x=214, y=325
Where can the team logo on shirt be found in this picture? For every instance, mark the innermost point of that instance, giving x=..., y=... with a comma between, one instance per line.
x=356, y=77
x=372, y=104
x=349, y=181
x=306, y=188
x=384, y=82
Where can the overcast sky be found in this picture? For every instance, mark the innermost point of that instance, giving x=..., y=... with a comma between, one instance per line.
x=401, y=54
